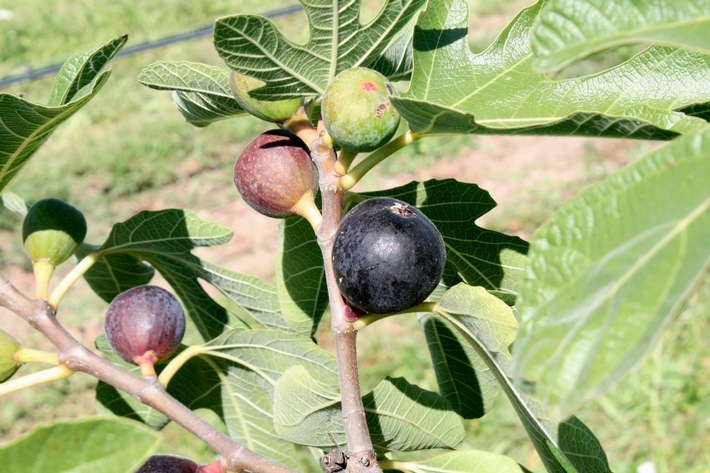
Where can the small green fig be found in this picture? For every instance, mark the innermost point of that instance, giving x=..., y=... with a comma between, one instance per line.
x=277, y=111
x=274, y=173
x=52, y=231
x=8, y=347
x=357, y=111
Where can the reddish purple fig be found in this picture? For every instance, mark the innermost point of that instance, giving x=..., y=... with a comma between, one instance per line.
x=169, y=464
x=145, y=320
x=274, y=173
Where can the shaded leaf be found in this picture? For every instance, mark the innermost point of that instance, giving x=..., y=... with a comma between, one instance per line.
x=400, y=416
x=112, y=274
x=456, y=91
x=474, y=255
x=464, y=380
x=201, y=92
x=25, y=126
x=93, y=444
x=488, y=324
x=610, y=269
x=300, y=277
x=567, y=30
x=253, y=45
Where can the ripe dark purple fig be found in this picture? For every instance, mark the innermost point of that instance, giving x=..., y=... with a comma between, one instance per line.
x=169, y=464
x=145, y=320
x=357, y=111
x=387, y=256
x=274, y=172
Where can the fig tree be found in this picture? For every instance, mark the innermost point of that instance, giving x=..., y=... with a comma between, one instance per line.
x=387, y=256
x=8, y=347
x=145, y=321
x=274, y=173
x=169, y=464
x=277, y=111
x=357, y=111
x=52, y=231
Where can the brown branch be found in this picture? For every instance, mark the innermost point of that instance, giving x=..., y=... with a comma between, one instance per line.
x=147, y=390
x=361, y=454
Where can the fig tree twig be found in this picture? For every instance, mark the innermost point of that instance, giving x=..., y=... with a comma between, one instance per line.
x=76, y=357
x=361, y=454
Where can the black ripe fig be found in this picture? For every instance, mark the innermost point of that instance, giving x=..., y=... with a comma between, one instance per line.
x=52, y=231
x=357, y=111
x=277, y=111
x=387, y=256
x=274, y=172
x=169, y=464
x=8, y=347
x=145, y=320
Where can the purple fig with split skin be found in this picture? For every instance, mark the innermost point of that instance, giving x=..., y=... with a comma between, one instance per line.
x=145, y=320
x=387, y=256
x=274, y=173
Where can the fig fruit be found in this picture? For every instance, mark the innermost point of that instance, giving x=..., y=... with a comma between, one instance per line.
x=357, y=111
x=277, y=111
x=144, y=320
x=387, y=256
x=168, y=464
x=274, y=172
x=8, y=347
x=52, y=231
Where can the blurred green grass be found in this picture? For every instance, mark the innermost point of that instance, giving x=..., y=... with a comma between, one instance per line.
x=114, y=156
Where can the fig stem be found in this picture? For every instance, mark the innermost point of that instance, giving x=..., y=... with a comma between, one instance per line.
x=34, y=379
x=306, y=207
x=73, y=276
x=345, y=159
x=28, y=355
x=43, y=270
x=369, y=319
x=373, y=159
x=345, y=338
x=300, y=125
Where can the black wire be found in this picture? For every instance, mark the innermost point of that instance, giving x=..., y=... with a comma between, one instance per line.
x=167, y=41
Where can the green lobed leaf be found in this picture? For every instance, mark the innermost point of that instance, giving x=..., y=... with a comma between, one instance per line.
x=461, y=461
x=165, y=239
x=474, y=255
x=201, y=92
x=252, y=45
x=25, y=126
x=497, y=91
x=80, y=71
x=568, y=30
x=464, y=380
x=400, y=416
x=610, y=269
x=108, y=445
x=112, y=274
x=488, y=324
x=300, y=277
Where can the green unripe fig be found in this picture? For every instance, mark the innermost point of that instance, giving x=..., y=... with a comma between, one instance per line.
x=357, y=111
x=8, y=347
x=277, y=111
x=52, y=231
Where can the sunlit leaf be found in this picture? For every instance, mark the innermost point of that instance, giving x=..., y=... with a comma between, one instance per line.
x=461, y=461
x=109, y=445
x=201, y=92
x=25, y=126
x=567, y=30
x=610, y=269
x=497, y=91
x=252, y=45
